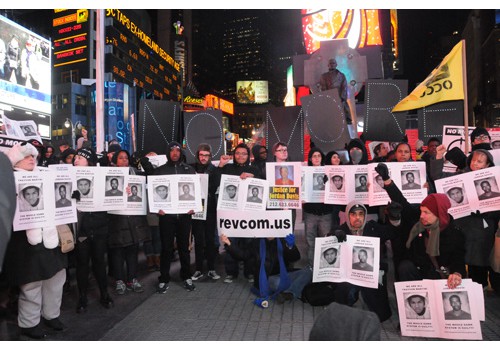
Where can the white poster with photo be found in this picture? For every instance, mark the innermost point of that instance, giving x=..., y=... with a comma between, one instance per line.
x=35, y=200
x=174, y=194
x=377, y=195
x=158, y=160
x=346, y=183
x=261, y=224
x=64, y=185
x=284, y=184
x=429, y=308
x=314, y=184
x=137, y=199
x=90, y=184
x=472, y=191
x=202, y=215
x=355, y=261
x=115, y=183
x=410, y=178
x=242, y=194
x=24, y=129
x=453, y=136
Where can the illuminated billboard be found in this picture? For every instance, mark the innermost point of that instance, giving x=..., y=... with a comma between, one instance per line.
x=25, y=79
x=253, y=91
x=360, y=27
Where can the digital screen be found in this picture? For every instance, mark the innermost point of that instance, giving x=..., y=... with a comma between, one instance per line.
x=360, y=27
x=252, y=91
x=25, y=73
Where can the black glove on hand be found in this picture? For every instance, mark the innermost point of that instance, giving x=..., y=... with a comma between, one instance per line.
x=394, y=210
x=383, y=171
x=341, y=236
x=76, y=195
x=146, y=165
x=457, y=157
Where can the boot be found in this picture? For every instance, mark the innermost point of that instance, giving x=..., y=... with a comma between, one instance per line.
x=151, y=263
x=156, y=260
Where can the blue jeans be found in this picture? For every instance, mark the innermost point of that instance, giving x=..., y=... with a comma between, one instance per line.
x=315, y=226
x=299, y=278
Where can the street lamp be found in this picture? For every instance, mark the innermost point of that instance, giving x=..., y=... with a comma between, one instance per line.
x=69, y=125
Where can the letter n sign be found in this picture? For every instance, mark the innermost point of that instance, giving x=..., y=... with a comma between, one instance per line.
x=380, y=97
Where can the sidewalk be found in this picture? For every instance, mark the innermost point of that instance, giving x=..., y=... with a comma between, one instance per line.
x=214, y=311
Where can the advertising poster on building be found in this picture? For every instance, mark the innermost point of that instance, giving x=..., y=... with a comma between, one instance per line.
x=254, y=91
x=355, y=261
x=284, y=184
x=429, y=308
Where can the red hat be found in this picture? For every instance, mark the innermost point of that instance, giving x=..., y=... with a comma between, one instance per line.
x=438, y=204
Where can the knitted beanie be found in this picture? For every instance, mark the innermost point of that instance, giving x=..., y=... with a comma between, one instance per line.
x=438, y=204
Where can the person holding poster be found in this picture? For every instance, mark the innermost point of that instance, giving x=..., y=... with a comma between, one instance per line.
x=435, y=245
x=479, y=228
x=125, y=234
x=204, y=231
x=34, y=262
x=346, y=293
x=317, y=216
x=173, y=227
x=91, y=244
x=240, y=167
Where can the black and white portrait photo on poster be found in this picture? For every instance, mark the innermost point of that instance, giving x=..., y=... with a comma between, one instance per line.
x=330, y=257
x=362, y=258
x=361, y=182
x=31, y=197
x=135, y=191
x=318, y=182
x=62, y=190
x=230, y=193
x=254, y=194
x=456, y=306
x=186, y=190
x=487, y=188
x=457, y=195
x=410, y=180
x=114, y=186
x=84, y=186
x=417, y=306
x=161, y=193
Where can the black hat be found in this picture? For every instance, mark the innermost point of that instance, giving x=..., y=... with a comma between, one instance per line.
x=357, y=207
x=479, y=131
x=87, y=153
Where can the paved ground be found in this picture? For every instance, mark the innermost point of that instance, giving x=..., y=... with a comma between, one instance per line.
x=214, y=311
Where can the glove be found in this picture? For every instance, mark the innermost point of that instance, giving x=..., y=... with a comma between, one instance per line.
x=341, y=236
x=457, y=157
x=261, y=302
x=393, y=211
x=383, y=171
x=146, y=165
x=76, y=195
x=290, y=240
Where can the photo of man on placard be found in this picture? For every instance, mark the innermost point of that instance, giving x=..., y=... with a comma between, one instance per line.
x=161, y=194
x=61, y=192
x=255, y=194
x=31, y=198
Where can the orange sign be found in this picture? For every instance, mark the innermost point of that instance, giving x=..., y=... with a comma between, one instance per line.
x=64, y=20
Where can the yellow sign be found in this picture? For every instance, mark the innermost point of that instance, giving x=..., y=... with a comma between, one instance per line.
x=82, y=16
x=445, y=83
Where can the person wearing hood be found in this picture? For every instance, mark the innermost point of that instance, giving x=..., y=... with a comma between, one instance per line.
x=260, y=158
x=66, y=156
x=35, y=263
x=48, y=157
x=91, y=240
x=174, y=226
x=317, y=216
x=346, y=293
x=380, y=151
x=333, y=158
x=357, y=152
x=479, y=228
x=240, y=167
x=204, y=230
x=435, y=245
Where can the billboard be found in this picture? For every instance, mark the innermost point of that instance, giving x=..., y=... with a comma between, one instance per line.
x=252, y=91
x=360, y=27
x=25, y=74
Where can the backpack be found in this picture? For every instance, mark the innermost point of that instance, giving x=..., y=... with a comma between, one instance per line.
x=319, y=293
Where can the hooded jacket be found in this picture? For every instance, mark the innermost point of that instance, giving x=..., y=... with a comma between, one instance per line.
x=359, y=144
x=328, y=157
x=316, y=208
x=257, y=161
x=174, y=168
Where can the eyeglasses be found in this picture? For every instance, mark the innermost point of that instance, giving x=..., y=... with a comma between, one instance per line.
x=241, y=154
x=482, y=137
x=204, y=154
x=282, y=150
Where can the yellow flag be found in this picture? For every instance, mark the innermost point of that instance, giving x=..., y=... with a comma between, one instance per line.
x=445, y=83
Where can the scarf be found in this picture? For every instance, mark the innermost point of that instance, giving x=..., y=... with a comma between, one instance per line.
x=264, y=290
x=432, y=248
